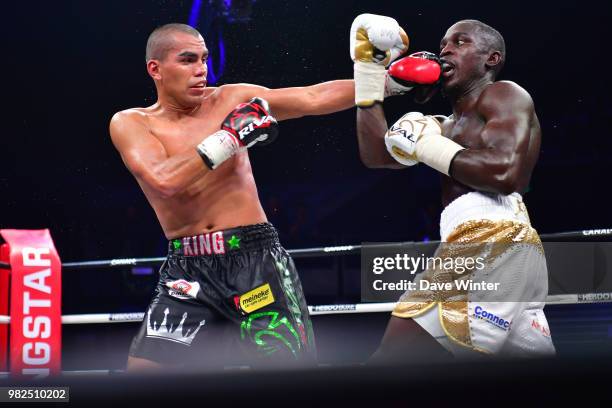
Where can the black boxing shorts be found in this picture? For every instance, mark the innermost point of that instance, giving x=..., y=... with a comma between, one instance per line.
x=225, y=298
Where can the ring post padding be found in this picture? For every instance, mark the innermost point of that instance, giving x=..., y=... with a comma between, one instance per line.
x=35, y=304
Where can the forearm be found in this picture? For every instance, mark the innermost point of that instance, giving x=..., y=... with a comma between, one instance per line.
x=486, y=170
x=176, y=173
x=319, y=99
x=371, y=129
x=332, y=96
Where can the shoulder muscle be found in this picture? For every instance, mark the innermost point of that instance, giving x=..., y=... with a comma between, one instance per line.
x=138, y=148
x=504, y=99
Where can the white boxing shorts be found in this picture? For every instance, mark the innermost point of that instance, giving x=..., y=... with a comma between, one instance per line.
x=494, y=308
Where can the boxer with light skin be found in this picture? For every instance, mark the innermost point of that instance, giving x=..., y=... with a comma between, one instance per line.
x=198, y=179
x=158, y=142
x=485, y=151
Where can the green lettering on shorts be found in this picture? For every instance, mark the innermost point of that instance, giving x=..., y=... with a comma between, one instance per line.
x=271, y=331
x=292, y=299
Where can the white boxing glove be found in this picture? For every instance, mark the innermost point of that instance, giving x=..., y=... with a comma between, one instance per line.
x=418, y=138
x=375, y=41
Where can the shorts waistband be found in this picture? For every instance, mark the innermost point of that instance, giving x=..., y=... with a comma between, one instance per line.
x=232, y=240
x=478, y=205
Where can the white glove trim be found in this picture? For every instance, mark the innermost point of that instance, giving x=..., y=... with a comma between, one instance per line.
x=218, y=147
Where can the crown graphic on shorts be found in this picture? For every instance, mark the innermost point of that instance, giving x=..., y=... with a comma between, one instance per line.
x=163, y=331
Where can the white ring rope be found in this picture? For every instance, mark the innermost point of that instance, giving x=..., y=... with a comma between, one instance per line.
x=318, y=309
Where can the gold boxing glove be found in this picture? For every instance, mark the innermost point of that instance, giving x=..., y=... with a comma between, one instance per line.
x=375, y=41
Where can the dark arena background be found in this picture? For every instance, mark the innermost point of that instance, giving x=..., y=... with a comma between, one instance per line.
x=68, y=66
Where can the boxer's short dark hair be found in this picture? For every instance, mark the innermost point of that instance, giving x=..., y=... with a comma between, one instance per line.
x=160, y=40
x=492, y=39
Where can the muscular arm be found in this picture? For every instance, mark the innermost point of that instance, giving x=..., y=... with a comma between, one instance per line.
x=501, y=166
x=147, y=159
x=371, y=129
x=290, y=103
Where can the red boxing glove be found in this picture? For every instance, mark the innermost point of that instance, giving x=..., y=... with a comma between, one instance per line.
x=251, y=123
x=248, y=124
x=420, y=68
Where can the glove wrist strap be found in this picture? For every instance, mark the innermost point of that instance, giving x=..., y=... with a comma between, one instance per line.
x=369, y=83
x=217, y=148
x=437, y=151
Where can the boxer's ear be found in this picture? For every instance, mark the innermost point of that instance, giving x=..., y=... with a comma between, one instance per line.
x=494, y=58
x=153, y=69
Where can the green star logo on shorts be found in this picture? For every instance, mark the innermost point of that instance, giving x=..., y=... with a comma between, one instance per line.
x=234, y=242
x=176, y=244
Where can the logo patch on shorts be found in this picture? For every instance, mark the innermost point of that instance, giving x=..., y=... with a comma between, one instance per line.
x=181, y=289
x=256, y=299
x=492, y=318
x=542, y=329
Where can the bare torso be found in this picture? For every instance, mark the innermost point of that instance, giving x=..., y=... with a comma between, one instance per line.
x=466, y=130
x=224, y=198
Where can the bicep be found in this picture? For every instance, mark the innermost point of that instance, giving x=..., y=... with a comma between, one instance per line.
x=506, y=136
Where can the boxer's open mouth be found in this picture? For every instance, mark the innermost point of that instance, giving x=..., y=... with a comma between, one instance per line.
x=447, y=69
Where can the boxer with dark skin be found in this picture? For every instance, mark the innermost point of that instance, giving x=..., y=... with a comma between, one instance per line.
x=496, y=123
x=158, y=143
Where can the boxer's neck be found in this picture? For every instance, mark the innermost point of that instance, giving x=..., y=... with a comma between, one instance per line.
x=466, y=97
x=173, y=109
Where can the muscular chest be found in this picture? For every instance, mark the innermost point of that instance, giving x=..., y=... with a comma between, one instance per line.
x=178, y=136
x=465, y=130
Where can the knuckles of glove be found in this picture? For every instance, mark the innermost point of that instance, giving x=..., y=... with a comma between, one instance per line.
x=252, y=122
x=420, y=72
x=401, y=139
x=414, y=70
x=377, y=39
x=415, y=124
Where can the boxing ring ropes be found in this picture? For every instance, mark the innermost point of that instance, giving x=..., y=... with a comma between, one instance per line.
x=316, y=252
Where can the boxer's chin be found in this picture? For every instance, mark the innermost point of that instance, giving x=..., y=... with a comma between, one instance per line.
x=192, y=100
x=423, y=94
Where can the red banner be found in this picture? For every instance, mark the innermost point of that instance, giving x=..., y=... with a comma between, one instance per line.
x=36, y=318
